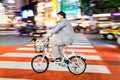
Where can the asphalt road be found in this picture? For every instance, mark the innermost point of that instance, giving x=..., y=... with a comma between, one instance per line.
x=97, y=39
x=16, y=40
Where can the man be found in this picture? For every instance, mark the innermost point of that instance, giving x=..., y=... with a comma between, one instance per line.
x=63, y=35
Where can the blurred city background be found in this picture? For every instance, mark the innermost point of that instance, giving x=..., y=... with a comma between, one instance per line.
x=31, y=17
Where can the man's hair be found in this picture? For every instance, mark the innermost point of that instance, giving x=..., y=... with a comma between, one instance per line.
x=62, y=14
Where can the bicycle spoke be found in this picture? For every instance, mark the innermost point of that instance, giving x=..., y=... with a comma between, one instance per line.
x=39, y=63
x=77, y=65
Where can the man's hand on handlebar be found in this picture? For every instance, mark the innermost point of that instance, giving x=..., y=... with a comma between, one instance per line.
x=33, y=40
x=46, y=37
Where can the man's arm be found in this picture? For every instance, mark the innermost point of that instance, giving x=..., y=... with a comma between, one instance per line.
x=58, y=27
x=46, y=37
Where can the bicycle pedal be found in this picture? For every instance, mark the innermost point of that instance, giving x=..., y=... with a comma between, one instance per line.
x=56, y=60
x=62, y=64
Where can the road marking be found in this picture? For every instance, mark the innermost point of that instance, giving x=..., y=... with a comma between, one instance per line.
x=68, y=50
x=30, y=45
x=82, y=50
x=82, y=40
x=27, y=65
x=15, y=65
x=13, y=79
x=81, y=44
x=90, y=69
x=14, y=54
x=112, y=46
x=71, y=46
x=97, y=69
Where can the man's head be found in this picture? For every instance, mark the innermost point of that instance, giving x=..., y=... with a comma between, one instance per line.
x=61, y=15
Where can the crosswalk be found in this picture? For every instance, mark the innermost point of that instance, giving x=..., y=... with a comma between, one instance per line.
x=81, y=46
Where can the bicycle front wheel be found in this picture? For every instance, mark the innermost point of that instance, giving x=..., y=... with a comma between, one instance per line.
x=77, y=65
x=40, y=63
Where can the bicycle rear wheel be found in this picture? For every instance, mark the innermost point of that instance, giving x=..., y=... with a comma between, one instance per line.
x=77, y=65
x=40, y=63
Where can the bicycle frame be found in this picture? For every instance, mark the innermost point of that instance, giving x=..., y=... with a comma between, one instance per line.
x=65, y=57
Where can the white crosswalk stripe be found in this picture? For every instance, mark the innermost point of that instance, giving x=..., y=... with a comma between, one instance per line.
x=74, y=45
x=68, y=50
x=14, y=54
x=82, y=43
x=27, y=65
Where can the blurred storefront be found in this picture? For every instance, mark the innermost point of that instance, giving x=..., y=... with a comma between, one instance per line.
x=8, y=10
x=107, y=19
x=6, y=13
x=2, y=13
x=71, y=7
x=39, y=17
x=10, y=7
x=50, y=13
x=46, y=13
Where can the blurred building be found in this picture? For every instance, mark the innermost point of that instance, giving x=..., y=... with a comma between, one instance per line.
x=9, y=9
x=46, y=13
x=100, y=6
x=72, y=8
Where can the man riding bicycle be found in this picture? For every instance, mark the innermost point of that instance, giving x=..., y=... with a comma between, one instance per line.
x=63, y=35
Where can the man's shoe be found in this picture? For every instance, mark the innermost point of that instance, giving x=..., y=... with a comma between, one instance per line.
x=56, y=60
x=66, y=61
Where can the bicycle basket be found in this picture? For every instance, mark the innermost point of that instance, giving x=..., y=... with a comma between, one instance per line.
x=39, y=47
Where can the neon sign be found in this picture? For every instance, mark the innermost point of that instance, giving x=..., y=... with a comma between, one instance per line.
x=115, y=14
x=27, y=13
